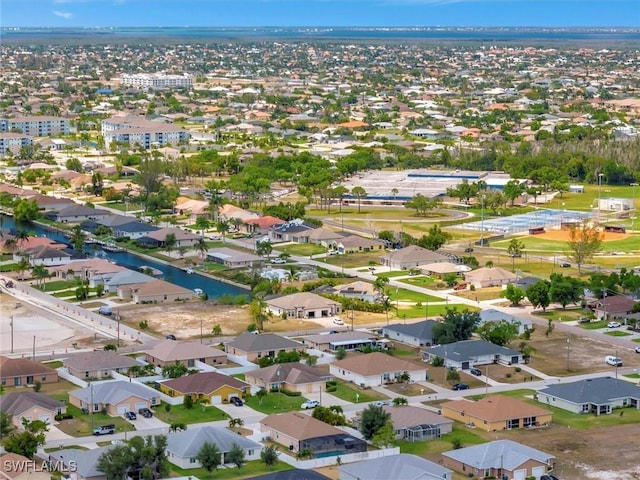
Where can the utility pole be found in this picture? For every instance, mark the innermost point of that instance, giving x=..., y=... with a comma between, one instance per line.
x=568, y=350
x=633, y=206
x=11, y=325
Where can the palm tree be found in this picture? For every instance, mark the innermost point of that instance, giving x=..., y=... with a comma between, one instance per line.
x=170, y=242
x=359, y=193
x=22, y=236
x=78, y=238
x=223, y=228
x=40, y=272
x=10, y=244
x=22, y=266
x=201, y=247
x=202, y=224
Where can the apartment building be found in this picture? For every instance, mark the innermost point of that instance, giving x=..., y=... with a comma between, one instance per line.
x=36, y=126
x=156, y=80
x=13, y=142
x=140, y=131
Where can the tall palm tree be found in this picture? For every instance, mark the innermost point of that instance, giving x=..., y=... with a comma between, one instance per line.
x=202, y=224
x=22, y=266
x=21, y=237
x=170, y=243
x=201, y=247
x=40, y=272
x=223, y=228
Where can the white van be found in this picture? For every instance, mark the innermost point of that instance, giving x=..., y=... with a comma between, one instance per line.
x=613, y=360
x=105, y=310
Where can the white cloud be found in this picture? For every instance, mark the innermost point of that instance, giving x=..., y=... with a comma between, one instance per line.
x=65, y=15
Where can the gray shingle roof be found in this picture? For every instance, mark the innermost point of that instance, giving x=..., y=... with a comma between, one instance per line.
x=498, y=454
x=594, y=390
x=403, y=466
x=250, y=342
x=186, y=444
x=419, y=330
x=85, y=460
x=99, y=360
x=113, y=392
x=469, y=350
x=17, y=403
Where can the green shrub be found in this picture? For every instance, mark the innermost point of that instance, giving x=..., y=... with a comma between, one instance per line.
x=518, y=369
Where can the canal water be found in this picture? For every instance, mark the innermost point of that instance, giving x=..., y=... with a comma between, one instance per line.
x=213, y=288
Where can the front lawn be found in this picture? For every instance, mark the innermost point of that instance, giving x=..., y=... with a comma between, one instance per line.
x=426, y=310
x=394, y=273
x=419, y=281
x=617, y=333
x=82, y=424
x=466, y=436
x=197, y=414
x=302, y=249
x=404, y=295
x=275, y=403
x=352, y=393
x=594, y=325
x=59, y=285
x=248, y=470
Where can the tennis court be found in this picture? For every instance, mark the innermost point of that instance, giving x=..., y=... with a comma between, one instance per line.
x=526, y=221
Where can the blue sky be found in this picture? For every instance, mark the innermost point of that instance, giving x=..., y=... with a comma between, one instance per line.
x=222, y=13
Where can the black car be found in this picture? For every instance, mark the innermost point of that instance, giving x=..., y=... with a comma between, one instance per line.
x=237, y=401
x=565, y=265
x=475, y=371
x=460, y=386
x=468, y=250
x=548, y=477
x=171, y=336
x=145, y=412
x=130, y=415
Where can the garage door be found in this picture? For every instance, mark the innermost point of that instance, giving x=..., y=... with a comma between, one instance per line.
x=140, y=405
x=45, y=418
x=216, y=400
x=519, y=475
x=538, y=472
x=122, y=409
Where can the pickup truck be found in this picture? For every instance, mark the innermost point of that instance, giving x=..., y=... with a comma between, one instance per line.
x=104, y=430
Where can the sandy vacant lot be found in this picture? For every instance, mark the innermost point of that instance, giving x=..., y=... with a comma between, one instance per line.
x=563, y=235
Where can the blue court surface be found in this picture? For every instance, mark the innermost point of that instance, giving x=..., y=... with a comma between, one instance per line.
x=522, y=223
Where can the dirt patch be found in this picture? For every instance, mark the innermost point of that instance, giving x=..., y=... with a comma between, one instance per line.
x=563, y=235
x=408, y=389
x=185, y=319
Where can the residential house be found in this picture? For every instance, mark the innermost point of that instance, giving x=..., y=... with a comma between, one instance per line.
x=376, y=369
x=490, y=277
x=358, y=244
x=229, y=211
x=469, y=353
x=116, y=398
x=195, y=208
x=440, y=269
x=48, y=203
x=594, y=395
x=293, y=474
x=255, y=346
x=18, y=372
x=402, y=467
x=121, y=226
x=80, y=464
x=183, y=447
x=213, y=387
x=96, y=270
x=419, y=334
x=298, y=431
x=359, y=290
x=262, y=225
x=80, y=213
x=98, y=364
x=304, y=305
x=155, y=291
x=123, y=278
x=499, y=459
x=349, y=340
x=19, y=467
x=612, y=307
x=232, y=258
x=158, y=238
x=293, y=231
x=325, y=237
x=46, y=255
x=410, y=257
x=293, y=376
x=493, y=315
x=416, y=424
x=169, y=352
x=31, y=406
x=496, y=413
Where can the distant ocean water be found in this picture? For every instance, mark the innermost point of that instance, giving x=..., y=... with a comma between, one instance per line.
x=506, y=34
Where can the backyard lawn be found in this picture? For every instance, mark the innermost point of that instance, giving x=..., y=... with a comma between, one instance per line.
x=350, y=392
x=248, y=470
x=460, y=433
x=197, y=414
x=430, y=311
x=275, y=403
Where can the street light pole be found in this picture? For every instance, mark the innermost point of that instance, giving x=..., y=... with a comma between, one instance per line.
x=568, y=350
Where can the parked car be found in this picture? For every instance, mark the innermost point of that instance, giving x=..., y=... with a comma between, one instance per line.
x=105, y=310
x=475, y=371
x=613, y=325
x=637, y=349
x=468, y=250
x=565, y=265
x=584, y=320
x=460, y=386
x=338, y=321
x=145, y=412
x=171, y=336
x=278, y=260
x=310, y=404
x=237, y=401
x=613, y=360
x=104, y=430
x=130, y=415
x=548, y=477
x=383, y=403
x=332, y=252
x=460, y=286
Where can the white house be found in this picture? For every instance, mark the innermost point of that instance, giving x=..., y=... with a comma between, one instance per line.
x=376, y=369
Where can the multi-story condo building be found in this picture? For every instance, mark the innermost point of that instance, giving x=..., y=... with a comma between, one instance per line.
x=36, y=126
x=13, y=142
x=156, y=80
x=139, y=131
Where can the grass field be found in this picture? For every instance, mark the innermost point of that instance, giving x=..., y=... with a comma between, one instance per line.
x=420, y=281
x=275, y=403
x=248, y=470
x=350, y=392
x=559, y=247
x=197, y=414
x=431, y=311
x=82, y=424
x=404, y=295
x=302, y=249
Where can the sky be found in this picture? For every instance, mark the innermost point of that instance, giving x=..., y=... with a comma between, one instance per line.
x=249, y=13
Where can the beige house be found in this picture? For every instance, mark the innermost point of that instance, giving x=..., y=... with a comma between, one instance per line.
x=376, y=369
x=490, y=277
x=31, y=406
x=416, y=424
x=324, y=236
x=116, y=398
x=169, y=352
x=98, y=364
x=304, y=305
x=294, y=376
x=18, y=372
x=496, y=413
x=154, y=291
x=357, y=244
x=253, y=347
x=410, y=257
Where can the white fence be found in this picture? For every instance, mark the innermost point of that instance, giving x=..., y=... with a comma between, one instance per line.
x=63, y=373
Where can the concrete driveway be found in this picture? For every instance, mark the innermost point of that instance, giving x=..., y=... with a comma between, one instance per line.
x=142, y=423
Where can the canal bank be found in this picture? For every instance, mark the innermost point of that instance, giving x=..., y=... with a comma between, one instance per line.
x=212, y=286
